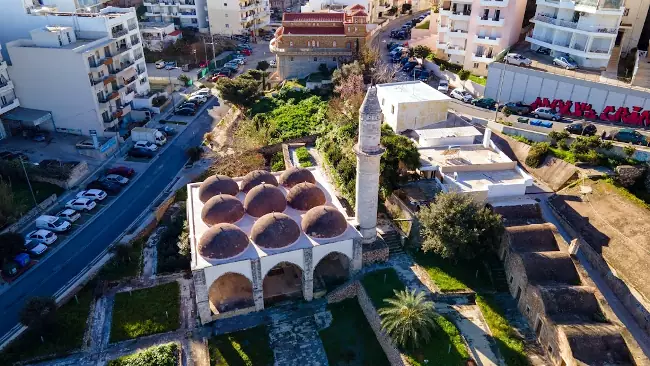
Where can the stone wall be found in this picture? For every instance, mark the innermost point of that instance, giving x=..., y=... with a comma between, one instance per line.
x=375, y=252
x=29, y=216
x=347, y=291
x=272, y=149
x=76, y=174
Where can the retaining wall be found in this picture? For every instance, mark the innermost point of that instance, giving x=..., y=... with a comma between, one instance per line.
x=76, y=175
x=29, y=216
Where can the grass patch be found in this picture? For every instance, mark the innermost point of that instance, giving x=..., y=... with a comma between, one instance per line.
x=520, y=139
x=510, y=345
x=423, y=25
x=248, y=347
x=349, y=340
x=478, y=79
x=438, y=350
x=381, y=285
x=449, y=277
x=144, y=312
x=163, y=355
x=117, y=269
x=66, y=335
x=639, y=196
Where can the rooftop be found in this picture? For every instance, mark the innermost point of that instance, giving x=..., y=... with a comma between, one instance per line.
x=453, y=158
x=410, y=92
x=313, y=17
x=441, y=133
x=312, y=30
x=481, y=180
x=150, y=25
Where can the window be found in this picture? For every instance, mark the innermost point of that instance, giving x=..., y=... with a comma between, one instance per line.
x=626, y=12
x=226, y=15
x=225, y=5
x=291, y=59
x=68, y=34
x=334, y=44
x=334, y=59
x=315, y=59
x=476, y=65
x=227, y=25
x=383, y=100
x=290, y=43
x=60, y=41
x=392, y=109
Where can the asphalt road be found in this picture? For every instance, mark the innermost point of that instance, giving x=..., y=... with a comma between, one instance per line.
x=70, y=260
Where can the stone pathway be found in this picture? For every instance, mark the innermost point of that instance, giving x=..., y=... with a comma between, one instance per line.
x=295, y=340
x=150, y=254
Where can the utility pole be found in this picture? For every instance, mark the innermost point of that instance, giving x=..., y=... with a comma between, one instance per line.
x=31, y=190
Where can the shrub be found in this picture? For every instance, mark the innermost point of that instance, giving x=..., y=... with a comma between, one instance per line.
x=277, y=162
x=607, y=145
x=194, y=153
x=421, y=51
x=628, y=150
x=463, y=74
x=506, y=111
x=562, y=145
x=537, y=154
x=558, y=136
x=443, y=67
x=163, y=355
x=158, y=101
x=303, y=155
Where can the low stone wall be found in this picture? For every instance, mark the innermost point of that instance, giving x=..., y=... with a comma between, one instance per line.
x=272, y=149
x=619, y=287
x=76, y=175
x=29, y=216
x=376, y=252
x=347, y=291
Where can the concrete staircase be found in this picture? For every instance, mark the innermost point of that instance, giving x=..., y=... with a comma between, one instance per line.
x=612, y=65
x=642, y=76
x=498, y=275
x=394, y=242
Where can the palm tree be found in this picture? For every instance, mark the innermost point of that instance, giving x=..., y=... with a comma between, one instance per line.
x=409, y=319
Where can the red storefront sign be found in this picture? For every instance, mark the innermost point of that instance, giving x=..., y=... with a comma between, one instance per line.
x=636, y=117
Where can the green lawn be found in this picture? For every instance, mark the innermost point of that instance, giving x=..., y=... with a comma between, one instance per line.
x=66, y=334
x=449, y=276
x=381, y=285
x=349, y=340
x=423, y=25
x=510, y=345
x=162, y=355
x=248, y=347
x=117, y=269
x=477, y=79
x=144, y=312
x=438, y=350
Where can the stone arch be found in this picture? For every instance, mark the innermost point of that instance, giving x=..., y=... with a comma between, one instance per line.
x=332, y=270
x=230, y=291
x=282, y=282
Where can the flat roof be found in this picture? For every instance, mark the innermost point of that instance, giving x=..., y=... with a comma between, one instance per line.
x=22, y=114
x=481, y=180
x=410, y=92
x=440, y=133
x=461, y=156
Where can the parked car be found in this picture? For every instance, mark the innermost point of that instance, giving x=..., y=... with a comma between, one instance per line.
x=143, y=153
x=86, y=144
x=443, y=86
x=121, y=170
x=170, y=65
x=245, y=52
x=115, y=178
x=203, y=64
x=104, y=186
x=630, y=135
x=6, y=155
x=202, y=92
x=189, y=105
x=273, y=63
x=52, y=223
x=581, y=129
x=544, y=51
x=539, y=122
x=79, y=204
x=146, y=145
x=488, y=103
x=42, y=236
x=393, y=34
x=35, y=248
x=424, y=76
x=462, y=95
x=93, y=194
x=167, y=130
x=197, y=98
x=566, y=62
x=546, y=113
x=186, y=112
x=517, y=59
x=69, y=215
x=403, y=35
x=160, y=64
x=519, y=108
x=268, y=37
x=408, y=67
x=396, y=59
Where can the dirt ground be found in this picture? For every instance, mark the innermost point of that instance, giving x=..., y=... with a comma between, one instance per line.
x=614, y=226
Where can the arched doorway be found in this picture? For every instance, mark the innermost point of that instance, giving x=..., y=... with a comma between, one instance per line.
x=282, y=282
x=231, y=291
x=330, y=272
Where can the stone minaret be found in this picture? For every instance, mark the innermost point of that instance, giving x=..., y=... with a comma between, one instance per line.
x=369, y=151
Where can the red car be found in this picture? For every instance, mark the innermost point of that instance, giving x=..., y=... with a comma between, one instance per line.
x=203, y=64
x=121, y=170
x=245, y=52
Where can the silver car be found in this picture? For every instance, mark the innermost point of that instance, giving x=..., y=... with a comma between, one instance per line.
x=566, y=62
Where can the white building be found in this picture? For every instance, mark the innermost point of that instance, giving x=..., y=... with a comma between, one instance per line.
x=90, y=68
x=156, y=36
x=412, y=104
x=8, y=100
x=629, y=31
x=184, y=13
x=471, y=33
x=87, y=6
x=586, y=30
x=238, y=17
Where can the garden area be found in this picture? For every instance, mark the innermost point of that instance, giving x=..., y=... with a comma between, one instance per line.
x=162, y=355
x=126, y=262
x=248, y=347
x=144, y=312
x=425, y=52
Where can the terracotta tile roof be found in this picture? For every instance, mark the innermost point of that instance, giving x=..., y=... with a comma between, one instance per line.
x=313, y=30
x=313, y=17
x=355, y=7
x=360, y=13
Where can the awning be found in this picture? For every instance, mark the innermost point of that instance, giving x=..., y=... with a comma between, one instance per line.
x=34, y=117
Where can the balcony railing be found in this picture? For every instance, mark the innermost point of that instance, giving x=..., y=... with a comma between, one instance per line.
x=108, y=98
x=119, y=33
x=138, y=56
x=573, y=25
x=130, y=80
x=133, y=27
x=141, y=70
x=135, y=41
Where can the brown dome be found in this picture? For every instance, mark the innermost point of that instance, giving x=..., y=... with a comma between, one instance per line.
x=263, y=199
x=324, y=222
x=257, y=177
x=305, y=196
x=222, y=241
x=294, y=175
x=222, y=208
x=275, y=230
x=217, y=184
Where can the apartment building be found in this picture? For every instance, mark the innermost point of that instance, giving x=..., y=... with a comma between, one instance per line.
x=8, y=100
x=156, y=36
x=307, y=40
x=87, y=6
x=471, y=33
x=183, y=13
x=85, y=71
x=586, y=30
x=230, y=17
x=634, y=18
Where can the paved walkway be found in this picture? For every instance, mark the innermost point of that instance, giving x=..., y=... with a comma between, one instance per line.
x=295, y=340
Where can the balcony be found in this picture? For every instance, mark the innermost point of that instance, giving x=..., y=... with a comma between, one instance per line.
x=315, y=51
x=130, y=80
x=133, y=27
x=141, y=70
x=494, y=3
x=566, y=48
x=250, y=6
x=457, y=33
x=455, y=50
x=445, y=12
x=581, y=28
x=442, y=46
x=6, y=107
x=490, y=21
x=443, y=28
x=117, y=33
x=482, y=57
x=460, y=15
x=187, y=14
x=6, y=86
x=128, y=97
x=110, y=121
x=613, y=7
x=122, y=49
x=138, y=56
x=494, y=41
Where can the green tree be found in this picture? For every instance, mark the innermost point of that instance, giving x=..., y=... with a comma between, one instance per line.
x=421, y=51
x=628, y=150
x=409, y=318
x=10, y=244
x=454, y=226
x=263, y=66
x=240, y=91
x=463, y=74
x=122, y=253
x=38, y=313
x=401, y=156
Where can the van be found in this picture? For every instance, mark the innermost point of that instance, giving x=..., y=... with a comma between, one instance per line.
x=52, y=223
x=160, y=64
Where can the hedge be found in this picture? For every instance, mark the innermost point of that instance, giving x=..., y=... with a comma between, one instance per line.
x=536, y=154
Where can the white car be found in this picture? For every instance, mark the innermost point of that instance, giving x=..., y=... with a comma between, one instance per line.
x=461, y=94
x=273, y=63
x=443, y=86
x=52, y=223
x=203, y=92
x=69, y=215
x=115, y=178
x=35, y=248
x=160, y=64
x=81, y=204
x=146, y=145
x=93, y=194
x=42, y=236
x=517, y=59
x=197, y=98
